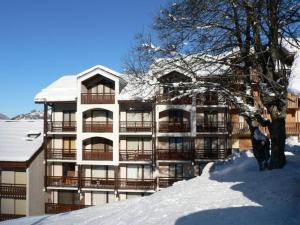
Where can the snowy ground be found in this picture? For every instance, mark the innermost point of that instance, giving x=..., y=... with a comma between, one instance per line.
x=235, y=193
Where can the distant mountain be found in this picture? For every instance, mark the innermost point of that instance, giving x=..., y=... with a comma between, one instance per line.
x=3, y=117
x=33, y=115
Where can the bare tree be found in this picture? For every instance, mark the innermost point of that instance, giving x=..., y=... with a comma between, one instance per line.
x=222, y=43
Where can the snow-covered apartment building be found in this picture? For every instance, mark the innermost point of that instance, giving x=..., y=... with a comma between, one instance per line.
x=21, y=169
x=103, y=144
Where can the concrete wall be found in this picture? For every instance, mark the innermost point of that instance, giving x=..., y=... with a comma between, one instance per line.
x=35, y=185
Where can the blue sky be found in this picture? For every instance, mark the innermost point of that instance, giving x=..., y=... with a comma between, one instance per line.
x=42, y=40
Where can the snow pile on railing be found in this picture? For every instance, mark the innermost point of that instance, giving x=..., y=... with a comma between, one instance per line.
x=294, y=80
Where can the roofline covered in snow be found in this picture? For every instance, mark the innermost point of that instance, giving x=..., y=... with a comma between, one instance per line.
x=112, y=72
x=21, y=164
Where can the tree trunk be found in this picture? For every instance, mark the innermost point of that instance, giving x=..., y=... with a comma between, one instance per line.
x=277, y=133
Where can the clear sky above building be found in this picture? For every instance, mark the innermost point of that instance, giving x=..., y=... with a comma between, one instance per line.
x=42, y=40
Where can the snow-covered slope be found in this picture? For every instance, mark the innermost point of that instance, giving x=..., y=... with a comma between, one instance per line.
x=235, y=193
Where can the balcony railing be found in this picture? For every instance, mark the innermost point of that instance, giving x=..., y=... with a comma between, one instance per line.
x=97, y=98
x=169, y=181
x=211, y=154
x=292, y=102
x=4, y=217
x=166, y=126
x=97, y=126
x=207, y=102
x=240, y=128
x=62, y=181
x=61, y=154
x=173, y=98
x=292, y=128
x=53, y=208
x=138, y=184
x=89, y=154
x=61, y=126
x=174, y=154
x=135, y=126
x=218, y=126
x=136, y=155
x=94, y=182
x=16, y=191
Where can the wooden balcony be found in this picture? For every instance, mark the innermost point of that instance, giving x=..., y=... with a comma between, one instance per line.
x=97, y=126
x=136, y=155
x=61, y=154
x=165, y=182
x=218, y=126
x=166, y=126
x=61, y=126
x=173, y=99
x=97, y=98
x=208, y=102
x=137, y=184
x=292, y=128
x=136, y=126
x=240, y=128
x=211, y=154
x=4, y=217
x=16, y=191
x=53, y=208
x=94, y=154
x=293, y=101
x=94, y=182
x=62, y=181
x=173, y=154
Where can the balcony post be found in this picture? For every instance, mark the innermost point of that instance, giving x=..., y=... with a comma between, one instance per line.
x=45, y=142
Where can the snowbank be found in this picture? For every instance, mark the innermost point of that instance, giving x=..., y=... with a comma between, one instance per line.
x=234, y=193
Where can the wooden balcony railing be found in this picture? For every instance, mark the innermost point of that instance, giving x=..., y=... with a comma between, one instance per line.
x=166, y=126
x=61, y=154
x=89, y=154
x=16, y=191
x=97, y=98
x=61, y=181
x=212, y=154
x=173, y=98
x=169, y=181
x=240, y=128
x=53, y=208
x=174, y=154
x=97, y=126
x=218, y=126
x=206, y=102
x=138, y=184
x=4, y=217
x=292, y=128
x=94, y=182
x=293, y=101
x=136, y=126
x=136, y=155
x=61, y=126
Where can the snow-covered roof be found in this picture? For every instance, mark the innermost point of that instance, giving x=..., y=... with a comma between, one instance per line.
x=20, y=139
x=63, y=89
x=137, y=89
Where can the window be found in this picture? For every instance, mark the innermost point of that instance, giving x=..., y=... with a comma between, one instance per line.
x=175, y=116
x=175, y=170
